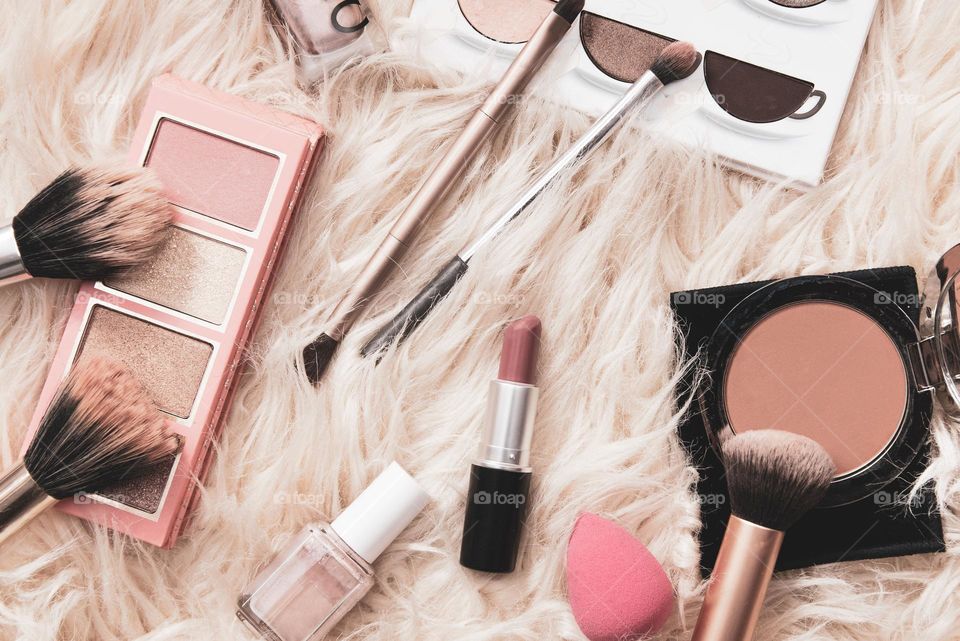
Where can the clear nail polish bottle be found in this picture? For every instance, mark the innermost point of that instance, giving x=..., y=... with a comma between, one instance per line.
x=325, y=570
x=327, y=33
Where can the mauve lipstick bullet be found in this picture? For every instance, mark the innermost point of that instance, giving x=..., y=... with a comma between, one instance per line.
x=518, y=356
x=500, y=479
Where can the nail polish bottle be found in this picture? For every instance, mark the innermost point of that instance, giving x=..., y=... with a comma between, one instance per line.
x=326, y=569
x=326, y=33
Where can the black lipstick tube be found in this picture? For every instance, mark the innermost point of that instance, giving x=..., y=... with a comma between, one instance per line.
x=499, y=493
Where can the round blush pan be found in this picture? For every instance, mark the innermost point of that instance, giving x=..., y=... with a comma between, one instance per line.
x=506, y=21
x=823, y=370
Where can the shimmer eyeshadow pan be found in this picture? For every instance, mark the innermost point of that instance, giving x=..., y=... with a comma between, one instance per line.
x=190, y=273
x=145, y=490
x=619, y=50
x=506, y=21
x=211, y=175
x=170, y=365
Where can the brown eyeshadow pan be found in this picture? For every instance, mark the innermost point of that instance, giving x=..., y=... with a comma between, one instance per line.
x=622, y=51
x=145, y=490
x=756, y=94
x=170, y=365
x=190, y=273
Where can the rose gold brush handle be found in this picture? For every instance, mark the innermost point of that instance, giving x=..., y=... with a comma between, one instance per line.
x=498, y=103
x=739, y=582
x=445, y=174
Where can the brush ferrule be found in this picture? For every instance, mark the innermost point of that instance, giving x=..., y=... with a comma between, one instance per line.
x=11, y=264
x=21, y=499
x=739, y=582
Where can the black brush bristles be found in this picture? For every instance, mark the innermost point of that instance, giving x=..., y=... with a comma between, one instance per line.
x=569, y=9
x=317, y=356
x=92, y=223
x=775, y=477
x=100, y=429
x=677, y=61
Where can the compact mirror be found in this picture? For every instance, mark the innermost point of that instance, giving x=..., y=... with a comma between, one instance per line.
x=939, y=333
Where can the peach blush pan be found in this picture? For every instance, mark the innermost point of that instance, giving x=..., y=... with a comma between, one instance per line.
x=842, y=363
x=800, y=368
x=235, y=171
x=506, y=21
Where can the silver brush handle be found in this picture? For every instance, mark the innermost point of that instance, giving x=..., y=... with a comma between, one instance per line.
x=639, y=92
x=21, y=499
x=11, y=264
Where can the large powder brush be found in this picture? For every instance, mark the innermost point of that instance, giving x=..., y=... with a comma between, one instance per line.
x=773, y=478
x=100, y=428
x=90, y=223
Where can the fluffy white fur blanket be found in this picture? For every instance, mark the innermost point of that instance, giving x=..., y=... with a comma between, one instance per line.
x=595, y=262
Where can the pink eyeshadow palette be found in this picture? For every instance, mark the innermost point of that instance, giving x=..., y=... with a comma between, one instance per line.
x=235, y=172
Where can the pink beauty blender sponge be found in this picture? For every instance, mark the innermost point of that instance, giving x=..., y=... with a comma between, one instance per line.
x=617, y=589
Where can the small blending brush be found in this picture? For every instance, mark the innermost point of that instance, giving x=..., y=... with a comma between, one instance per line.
x=101, y=428
x=676, y=62
x=90, y=223
x=773, y=479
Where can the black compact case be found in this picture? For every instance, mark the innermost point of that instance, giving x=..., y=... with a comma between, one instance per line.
x=884, y=524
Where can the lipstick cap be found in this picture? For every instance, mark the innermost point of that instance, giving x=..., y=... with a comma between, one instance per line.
x=380, y=513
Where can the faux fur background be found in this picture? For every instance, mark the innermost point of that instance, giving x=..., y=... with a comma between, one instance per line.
x=595, y=259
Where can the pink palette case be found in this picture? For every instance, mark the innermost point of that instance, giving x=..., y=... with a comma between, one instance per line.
x=234, y=171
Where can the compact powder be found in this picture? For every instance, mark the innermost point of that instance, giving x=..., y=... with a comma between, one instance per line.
x=507, y=21
x=168, y=364
x=823, y=370
x=145, y=490
x=190, y=273
x=212, y=176
x=620, y=50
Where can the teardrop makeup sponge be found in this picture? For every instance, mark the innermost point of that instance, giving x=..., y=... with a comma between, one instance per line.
x=617, y=589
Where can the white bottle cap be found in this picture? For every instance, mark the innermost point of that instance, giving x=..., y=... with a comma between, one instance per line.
x=380, y=513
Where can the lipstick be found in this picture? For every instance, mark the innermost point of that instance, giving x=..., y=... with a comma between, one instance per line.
x=500, y=479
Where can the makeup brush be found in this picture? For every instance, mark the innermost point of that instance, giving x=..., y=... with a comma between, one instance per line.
x=90, y=223
x=773, y=479
x=676, y=62
x=317, y=355
x=101, y=428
